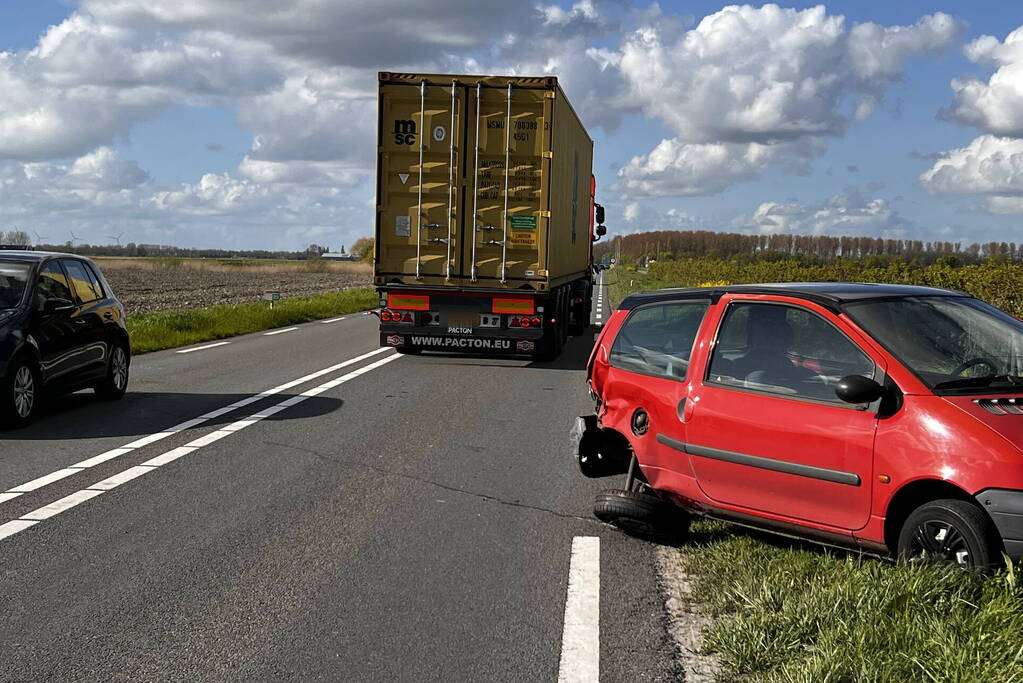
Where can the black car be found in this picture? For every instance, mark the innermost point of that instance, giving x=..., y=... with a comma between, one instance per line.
x=61, y=330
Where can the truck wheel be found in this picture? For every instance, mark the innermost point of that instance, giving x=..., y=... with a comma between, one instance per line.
x=643, y=516
x=951, y=532
x=19, y=394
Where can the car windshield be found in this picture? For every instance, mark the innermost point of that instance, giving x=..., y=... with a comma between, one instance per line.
x=13, y=283
x=955, y=344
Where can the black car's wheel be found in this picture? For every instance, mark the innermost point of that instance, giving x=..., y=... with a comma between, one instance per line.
x=949, y=532
x=643, y=515
x=115, y=383
x=19, y=394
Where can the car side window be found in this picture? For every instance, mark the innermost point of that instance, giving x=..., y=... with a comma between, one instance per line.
x=784, y=350
x=83, y=281
x=52, y=284
x=658, y=339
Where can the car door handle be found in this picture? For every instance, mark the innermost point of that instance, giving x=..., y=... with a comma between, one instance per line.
x=80, y=321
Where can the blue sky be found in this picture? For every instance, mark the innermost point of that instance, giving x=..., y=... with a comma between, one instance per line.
x=208, y=124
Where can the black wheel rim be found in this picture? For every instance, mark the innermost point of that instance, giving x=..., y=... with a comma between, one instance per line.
x=939, y=542
x=119, y=368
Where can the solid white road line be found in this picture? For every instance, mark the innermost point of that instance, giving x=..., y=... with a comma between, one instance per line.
x=66, y=503
x=203, y=348
x=580, y=641
x=286, y=329
x=333, y=320
x=159, y=436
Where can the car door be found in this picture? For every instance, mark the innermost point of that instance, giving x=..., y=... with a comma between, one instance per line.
x=648, y=366
x=55, y=334
x=764, y=429
x=88, y=318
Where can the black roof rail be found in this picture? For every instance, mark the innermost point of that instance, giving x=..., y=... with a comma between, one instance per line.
x=16, y=247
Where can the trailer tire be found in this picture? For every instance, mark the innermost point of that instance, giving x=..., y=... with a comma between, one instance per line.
x=643, y=515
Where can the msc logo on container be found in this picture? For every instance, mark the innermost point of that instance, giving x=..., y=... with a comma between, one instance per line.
x=404, y=132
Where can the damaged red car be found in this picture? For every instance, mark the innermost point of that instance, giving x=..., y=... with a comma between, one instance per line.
x=882, y=417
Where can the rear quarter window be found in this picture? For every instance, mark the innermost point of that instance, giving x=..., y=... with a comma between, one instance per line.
x=658, y=339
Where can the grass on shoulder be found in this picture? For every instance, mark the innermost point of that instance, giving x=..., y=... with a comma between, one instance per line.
x=787, y=611
x=169, y=329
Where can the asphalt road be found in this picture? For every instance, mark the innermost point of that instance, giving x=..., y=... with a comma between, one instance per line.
x=357, y=516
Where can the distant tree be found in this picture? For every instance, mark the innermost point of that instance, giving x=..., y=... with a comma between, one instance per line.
x=18, y=238
x=364, y=249
x=315, y=251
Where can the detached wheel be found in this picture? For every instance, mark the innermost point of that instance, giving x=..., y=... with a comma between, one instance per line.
x=643, y=516
x=951, y=532
x=19, y=394
x=115, y=383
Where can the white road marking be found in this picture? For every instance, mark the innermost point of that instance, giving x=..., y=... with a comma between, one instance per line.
x=203, y=348
x=45, y=480
x=580, y=640
x=286, y=329
x=333, y=320
x=66, y=503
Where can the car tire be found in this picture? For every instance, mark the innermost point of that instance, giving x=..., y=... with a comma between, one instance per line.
x=952, y=532
x=405, y=351
x=643, y=516
x=115, y=384
x=20, y=394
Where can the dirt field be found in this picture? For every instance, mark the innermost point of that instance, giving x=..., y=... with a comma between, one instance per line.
x=146, y=286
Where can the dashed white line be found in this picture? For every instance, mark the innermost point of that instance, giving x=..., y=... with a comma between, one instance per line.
x=203, y=348
x=66, y=503
x=47, y=479
x=333, y=320
x=286, y=329
x=580, y=640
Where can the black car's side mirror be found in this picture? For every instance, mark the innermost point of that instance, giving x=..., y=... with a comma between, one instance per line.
x=57, y=305
x=598, y=213
x=601, y=230
x=858, y=389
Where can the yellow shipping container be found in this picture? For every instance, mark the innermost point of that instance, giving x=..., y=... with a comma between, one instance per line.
x=482, y=182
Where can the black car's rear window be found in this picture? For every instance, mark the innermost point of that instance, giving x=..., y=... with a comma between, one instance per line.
x=14, y=277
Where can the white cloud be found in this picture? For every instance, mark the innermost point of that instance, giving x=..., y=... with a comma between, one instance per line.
x=995, y=106
x=989, y=165
x=851, y=213
x=747, y=83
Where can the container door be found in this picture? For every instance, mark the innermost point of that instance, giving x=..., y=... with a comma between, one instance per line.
x=508, y=221
x=421, y=182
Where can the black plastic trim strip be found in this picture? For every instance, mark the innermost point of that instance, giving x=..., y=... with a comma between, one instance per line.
x=809, y=471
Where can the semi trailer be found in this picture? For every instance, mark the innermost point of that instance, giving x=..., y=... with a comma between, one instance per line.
x=485, y=215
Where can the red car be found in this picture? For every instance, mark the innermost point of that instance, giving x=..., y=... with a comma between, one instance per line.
x=882, y=417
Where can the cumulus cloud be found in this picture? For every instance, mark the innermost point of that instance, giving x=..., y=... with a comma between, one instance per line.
x=851, y=213
x=989, y=165
x=995, y=106
x=752, y=82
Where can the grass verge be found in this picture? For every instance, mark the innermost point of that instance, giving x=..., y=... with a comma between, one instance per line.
x=790, y=612
x=168, y=329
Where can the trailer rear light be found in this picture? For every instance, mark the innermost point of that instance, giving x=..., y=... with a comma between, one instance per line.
x=409, y=301
x=536, y=322
x=427, y=319
x=514, y=322
x=520, y=306
x=385, y=316
x=407, y=318
x=524, y=322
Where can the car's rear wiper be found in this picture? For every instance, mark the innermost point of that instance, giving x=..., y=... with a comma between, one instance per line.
x=987, y=381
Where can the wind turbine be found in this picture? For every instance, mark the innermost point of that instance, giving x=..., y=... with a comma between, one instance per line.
x=39, y=238
x=116, y=238
x=74, y=238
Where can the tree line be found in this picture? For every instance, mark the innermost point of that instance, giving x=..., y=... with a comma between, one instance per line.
x=675, y=244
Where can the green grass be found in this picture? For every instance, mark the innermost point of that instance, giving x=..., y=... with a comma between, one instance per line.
x=788, y=612
x=168, y=329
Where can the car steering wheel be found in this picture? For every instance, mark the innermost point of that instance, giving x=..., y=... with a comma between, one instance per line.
x=979, y=360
